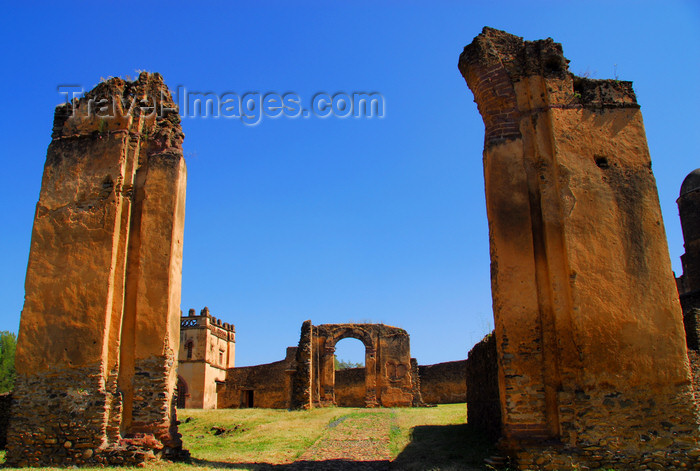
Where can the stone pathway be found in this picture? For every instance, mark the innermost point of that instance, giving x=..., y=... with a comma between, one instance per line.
x=360, y=440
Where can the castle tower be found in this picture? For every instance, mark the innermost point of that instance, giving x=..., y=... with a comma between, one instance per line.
x=689, y=281
x=207, y=351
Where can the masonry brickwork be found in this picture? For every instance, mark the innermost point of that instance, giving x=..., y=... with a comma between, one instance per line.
x=207, y=352
x=580, y=267
x=99, y=331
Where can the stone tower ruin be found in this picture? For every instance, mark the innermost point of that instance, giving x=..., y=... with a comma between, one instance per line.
x=99, y=332
x=592, y=362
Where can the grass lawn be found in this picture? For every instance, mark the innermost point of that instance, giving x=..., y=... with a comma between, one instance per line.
x=418, y=438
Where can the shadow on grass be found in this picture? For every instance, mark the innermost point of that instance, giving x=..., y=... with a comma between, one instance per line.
x=444, y=447
x=432, y=448
x=327, y=465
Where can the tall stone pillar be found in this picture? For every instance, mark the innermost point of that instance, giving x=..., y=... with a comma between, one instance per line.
x=590, y=340
x=99, y=332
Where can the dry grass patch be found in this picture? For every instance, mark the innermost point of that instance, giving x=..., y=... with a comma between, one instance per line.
x=254, y=435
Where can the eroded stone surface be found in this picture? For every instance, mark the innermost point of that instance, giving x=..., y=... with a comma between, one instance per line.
x=590, y=341
x=99, y=332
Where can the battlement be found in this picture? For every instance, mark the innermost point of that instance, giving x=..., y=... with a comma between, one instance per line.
x=204, y=319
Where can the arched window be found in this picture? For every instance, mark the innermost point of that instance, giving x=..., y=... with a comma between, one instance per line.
x=189, y=346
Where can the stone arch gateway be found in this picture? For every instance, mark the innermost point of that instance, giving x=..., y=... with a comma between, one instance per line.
x=391, y=375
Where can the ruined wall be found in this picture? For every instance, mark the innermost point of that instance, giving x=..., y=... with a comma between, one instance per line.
x=99, y=332
x=207, y=352
x=350, y=387
x=444, y=383
x=302, y=394
x=483, y=396
x=581, y=275
x=388, y=373
x=270, y=385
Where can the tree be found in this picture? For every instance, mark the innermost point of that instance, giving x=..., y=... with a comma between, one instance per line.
x=8, y=344
x=345, y=365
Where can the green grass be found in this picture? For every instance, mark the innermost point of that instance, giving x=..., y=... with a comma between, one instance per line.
x=419, y=438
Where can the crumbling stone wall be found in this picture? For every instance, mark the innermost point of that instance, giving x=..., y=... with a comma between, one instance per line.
x=483, y=396
x=580, y=266
x=388, y=372
x=99, y=332
x=301, y=394
x=444, y=383
x=267, y=386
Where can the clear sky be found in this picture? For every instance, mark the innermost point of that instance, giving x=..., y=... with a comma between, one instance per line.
x=333, y=220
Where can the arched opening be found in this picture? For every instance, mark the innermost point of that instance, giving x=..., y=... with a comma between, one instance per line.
x=188, y=347
x=350, y=374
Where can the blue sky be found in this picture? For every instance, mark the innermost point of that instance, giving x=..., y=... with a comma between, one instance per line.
x=333, y=220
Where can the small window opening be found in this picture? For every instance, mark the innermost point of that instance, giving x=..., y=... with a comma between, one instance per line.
x=601, y=161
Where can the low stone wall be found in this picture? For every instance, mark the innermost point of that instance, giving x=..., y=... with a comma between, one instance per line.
x=5, y=404
x=483, y=401
x=350, y=388
x=267, y=386
x=444, y=383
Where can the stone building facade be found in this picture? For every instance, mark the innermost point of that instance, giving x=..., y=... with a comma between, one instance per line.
x=207, y=352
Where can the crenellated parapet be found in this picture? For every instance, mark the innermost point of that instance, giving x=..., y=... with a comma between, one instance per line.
x=205, y=320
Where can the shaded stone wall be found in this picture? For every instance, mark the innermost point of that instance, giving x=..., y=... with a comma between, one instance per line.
x=266, y=386
x=483, y=397
x=99, y=332
x=5, y=404
x=444, y=383
x=580, y=267
x=689, y=211
x=350, y=387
